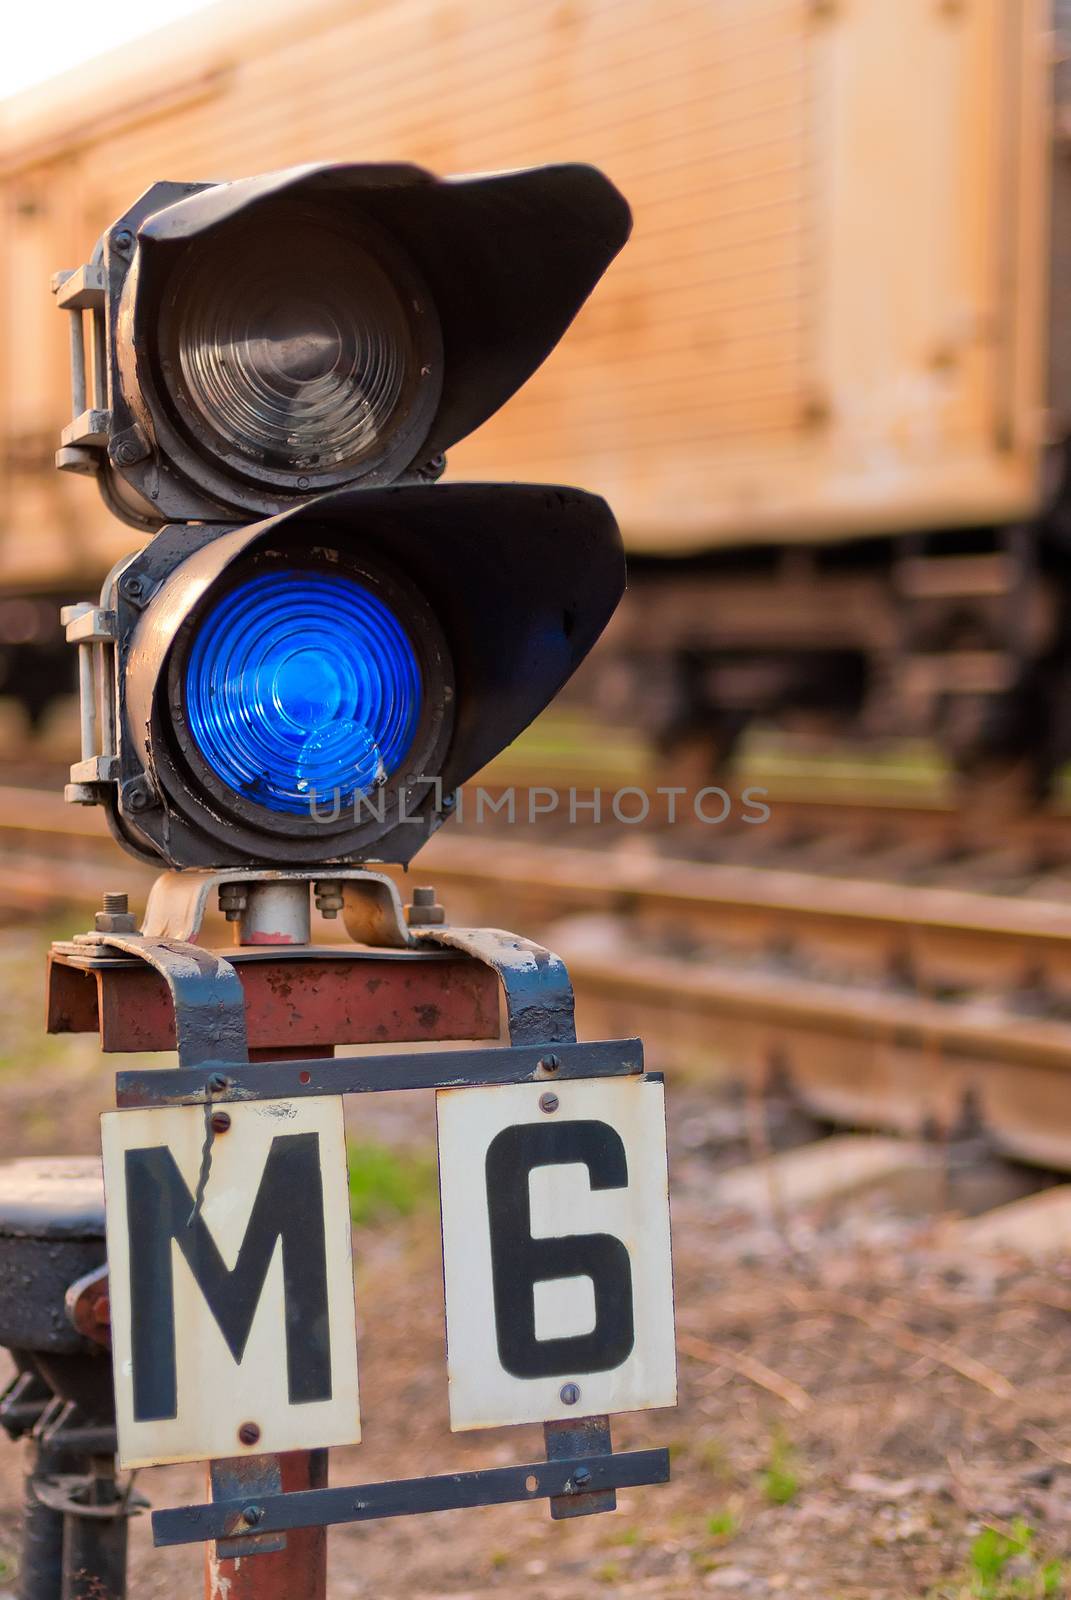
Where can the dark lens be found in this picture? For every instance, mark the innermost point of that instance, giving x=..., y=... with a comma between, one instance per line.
x=291, y=345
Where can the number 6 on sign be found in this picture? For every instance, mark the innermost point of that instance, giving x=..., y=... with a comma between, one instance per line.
x=556, y=1250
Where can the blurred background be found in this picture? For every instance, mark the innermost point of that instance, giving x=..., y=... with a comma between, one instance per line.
x=827, y=390
x=824, y=389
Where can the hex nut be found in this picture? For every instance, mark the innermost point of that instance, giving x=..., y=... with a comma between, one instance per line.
x=424, y=910
x=329, y=897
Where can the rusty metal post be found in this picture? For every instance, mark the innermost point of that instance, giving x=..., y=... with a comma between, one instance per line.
x=298, y=1572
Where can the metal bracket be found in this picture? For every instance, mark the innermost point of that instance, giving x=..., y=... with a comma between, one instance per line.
x=372, y=906
x=23, y=1403
x=586, y=1436
x=248, y=1480
x=61, y=1425
x=84, y=437
x=206, y=990
x=60, y=1492
x=320, y=1508
x=93, y=629
x=221, y=1083
x=535, y=982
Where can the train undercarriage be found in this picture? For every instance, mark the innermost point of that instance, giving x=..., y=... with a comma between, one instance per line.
x=962, y=639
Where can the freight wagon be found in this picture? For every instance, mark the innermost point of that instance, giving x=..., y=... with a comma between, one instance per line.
x=826, y=387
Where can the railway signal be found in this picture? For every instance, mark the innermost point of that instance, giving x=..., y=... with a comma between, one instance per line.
x=317, y=646
x=315, y=683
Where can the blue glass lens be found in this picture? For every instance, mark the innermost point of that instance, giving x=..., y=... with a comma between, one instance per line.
x=300, y=683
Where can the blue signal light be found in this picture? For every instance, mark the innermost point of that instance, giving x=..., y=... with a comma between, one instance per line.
x=302, y=683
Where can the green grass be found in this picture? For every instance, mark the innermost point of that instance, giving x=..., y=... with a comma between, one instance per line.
x=780, y=1480
x=387, y=1183
x=723, y=1525
x=1034, y=1575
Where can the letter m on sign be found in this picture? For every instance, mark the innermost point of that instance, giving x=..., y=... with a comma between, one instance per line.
x=234, y=1304
x=289, y=1207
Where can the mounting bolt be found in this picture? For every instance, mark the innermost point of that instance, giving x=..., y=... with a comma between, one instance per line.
x=115, y=915
x=134, y=587
x=549, y=1063
x=221, y=1121
x=128, y=447
x=582, y=1477
x=424, y=911
x=217, y=1083
x=251, y=1515
x=569, y=1394
x=548, y=1102
x=233, y=899
x=249, y=1433
x=138, y=795
x=123, y=241
x=328, y=894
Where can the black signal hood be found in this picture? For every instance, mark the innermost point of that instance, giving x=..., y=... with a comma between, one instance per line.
x=519, y=579
x=507, y=259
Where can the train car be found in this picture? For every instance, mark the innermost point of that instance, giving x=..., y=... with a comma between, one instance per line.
x=825, y=388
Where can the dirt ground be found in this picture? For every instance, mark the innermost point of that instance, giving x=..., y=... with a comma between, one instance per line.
x=861, y=1417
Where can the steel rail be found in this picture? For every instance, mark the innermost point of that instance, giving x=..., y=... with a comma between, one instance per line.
x=885, y=1004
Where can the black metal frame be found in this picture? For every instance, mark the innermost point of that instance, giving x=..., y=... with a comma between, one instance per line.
x=220, y=1082
x=564, y=1479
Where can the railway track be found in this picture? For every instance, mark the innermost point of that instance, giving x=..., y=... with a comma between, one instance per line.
x=899, y=1005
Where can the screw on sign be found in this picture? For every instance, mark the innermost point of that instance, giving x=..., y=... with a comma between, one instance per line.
x=316, y=646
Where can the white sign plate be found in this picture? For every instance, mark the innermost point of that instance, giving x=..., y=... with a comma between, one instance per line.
x=556, y=1250
x=244, y=1314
